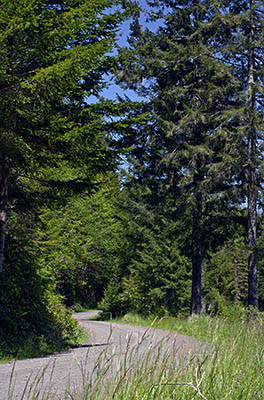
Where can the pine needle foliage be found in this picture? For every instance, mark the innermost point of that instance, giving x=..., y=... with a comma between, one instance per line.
x=192, y=146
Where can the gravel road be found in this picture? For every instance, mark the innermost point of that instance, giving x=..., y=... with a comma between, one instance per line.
x=65, y=372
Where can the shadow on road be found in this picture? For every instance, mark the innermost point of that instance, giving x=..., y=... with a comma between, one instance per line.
x=90, y=345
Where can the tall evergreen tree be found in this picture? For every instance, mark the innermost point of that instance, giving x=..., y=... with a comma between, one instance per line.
x=53, y=56
x=153, y=276
x=241, y=47
x=188, y=144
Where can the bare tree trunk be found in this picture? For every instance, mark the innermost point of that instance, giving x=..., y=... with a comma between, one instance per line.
x=238, y=279
x=251, y=172
x=3, y=205
x=196, y=299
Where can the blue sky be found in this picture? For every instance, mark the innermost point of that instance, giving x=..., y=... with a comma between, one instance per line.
x=113, y=89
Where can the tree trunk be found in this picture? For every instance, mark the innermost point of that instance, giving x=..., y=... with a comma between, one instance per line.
x=196, y=299
x=3, y=205
x=251, y=176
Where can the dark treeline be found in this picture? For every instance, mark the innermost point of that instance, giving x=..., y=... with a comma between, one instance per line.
x=179, y=230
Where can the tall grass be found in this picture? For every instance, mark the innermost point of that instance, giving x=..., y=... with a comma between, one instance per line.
x=233, y=366
x=230, y=368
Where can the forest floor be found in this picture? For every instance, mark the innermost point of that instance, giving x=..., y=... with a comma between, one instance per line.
x=56, y=375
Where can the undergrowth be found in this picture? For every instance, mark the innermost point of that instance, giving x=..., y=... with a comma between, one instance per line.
x=38, y=346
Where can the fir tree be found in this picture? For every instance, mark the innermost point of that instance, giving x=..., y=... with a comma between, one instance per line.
x=53, y=56
x=188, y=146
x=241, y=48
x=153, y=277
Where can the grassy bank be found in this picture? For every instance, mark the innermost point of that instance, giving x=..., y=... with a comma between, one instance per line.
x=230, y=369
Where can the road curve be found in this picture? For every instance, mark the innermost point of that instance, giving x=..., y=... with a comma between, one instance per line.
x=65, y=372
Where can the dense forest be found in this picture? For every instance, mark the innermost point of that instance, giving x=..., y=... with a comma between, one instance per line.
x=153, y=206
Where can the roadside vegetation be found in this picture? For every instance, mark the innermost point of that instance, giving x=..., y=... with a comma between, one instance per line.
x=39, y=346
x=230, y=366
x=204, y=327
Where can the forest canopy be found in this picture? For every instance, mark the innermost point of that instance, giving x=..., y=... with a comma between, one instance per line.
x=153, y=206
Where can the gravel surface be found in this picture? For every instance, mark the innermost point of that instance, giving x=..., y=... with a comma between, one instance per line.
x=65, y=372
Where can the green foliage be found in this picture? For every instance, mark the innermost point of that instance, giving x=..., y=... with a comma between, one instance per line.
x=226, y=276
x=81, y=243
x=153, y=277
x=261, y=264
x=113, y=303
x=31, y=315
x=53, y=58
x=191, y=149
x=158, y=283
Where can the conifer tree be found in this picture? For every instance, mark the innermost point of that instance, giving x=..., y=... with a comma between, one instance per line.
x=53, y=57
x=188, y=143
x=241, y=47
x=153, y=277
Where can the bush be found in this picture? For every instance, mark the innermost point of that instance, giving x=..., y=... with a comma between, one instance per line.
x=31, y=314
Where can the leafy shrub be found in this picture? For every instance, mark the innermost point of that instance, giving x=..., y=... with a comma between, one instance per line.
x=30, y=309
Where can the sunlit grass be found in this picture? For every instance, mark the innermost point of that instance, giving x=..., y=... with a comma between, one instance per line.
x=234, y=365
x=230, y=368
